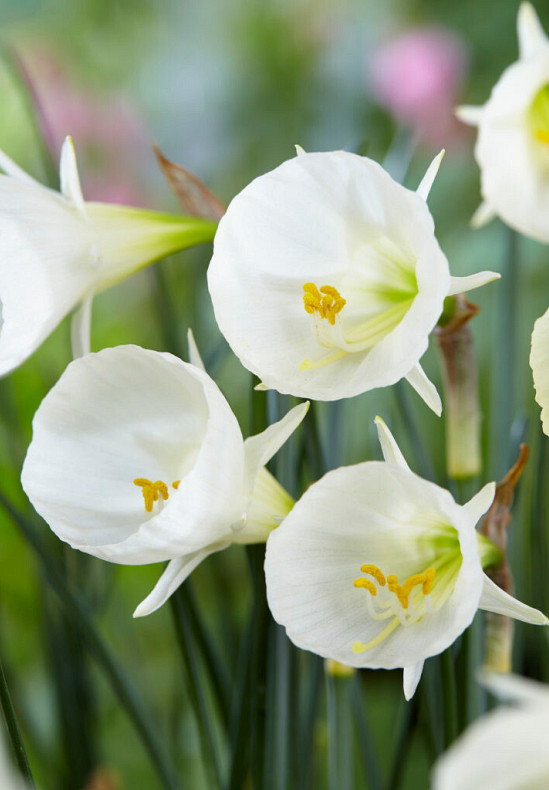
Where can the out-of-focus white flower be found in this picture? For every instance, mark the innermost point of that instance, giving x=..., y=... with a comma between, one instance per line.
x=327, y=279
x=539, y=362
x=376, y=567
x=136, y=457
x=512, y=148
x=507, y=748
x=57, y=251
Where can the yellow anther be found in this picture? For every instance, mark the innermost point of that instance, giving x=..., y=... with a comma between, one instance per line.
x=428, y=581
x=176, y=484
x=373, y=570
x=367, y=584
x=152, y=491
x=327, y=302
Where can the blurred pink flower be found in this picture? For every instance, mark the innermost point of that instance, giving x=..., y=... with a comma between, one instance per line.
x=416, y=76
x=111, y=137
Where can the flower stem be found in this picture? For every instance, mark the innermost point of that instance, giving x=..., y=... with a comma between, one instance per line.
x=340, y=757
x=450, y=696
x=13, y=729
x=79, y=615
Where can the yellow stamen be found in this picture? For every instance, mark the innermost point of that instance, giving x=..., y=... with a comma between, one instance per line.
x=373, y=570
x=176, y=484
x=327, y=301
x=152, y=491
x=367, y=584
x=359, y=647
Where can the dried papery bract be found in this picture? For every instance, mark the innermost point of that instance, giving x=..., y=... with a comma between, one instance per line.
x=327, y=279
x=136, y=458
x=57, y=251
x=512, y=148
x=461, y=404
x=195, y=198
x=376, y=567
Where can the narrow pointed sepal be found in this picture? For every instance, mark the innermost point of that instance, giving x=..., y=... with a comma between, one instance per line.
x=427, y=181
x=81, y=328
x=175, y=574
x=194, y=354
x=425, y=388
x=389, y=447
x=459, y=285
x=299, y=151
x=531, y=35
x=69, y=178
x=259, y=449
x=480, y=503
x=482, y=216
x=494, y=599
x=411, y=677
x=469, y=115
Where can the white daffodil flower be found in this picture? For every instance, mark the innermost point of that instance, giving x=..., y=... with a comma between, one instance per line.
x=376, y=567
x=327, y=279
x=507, y=748
x=57, y=251
x=539, y=362
x=136, y=457
x=512, y=148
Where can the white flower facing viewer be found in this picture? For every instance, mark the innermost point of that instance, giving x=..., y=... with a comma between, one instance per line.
x=327, y=279
x=505, y=749
x=57, y=251
x=512, y=148
x=376, y=567
x=136, y=457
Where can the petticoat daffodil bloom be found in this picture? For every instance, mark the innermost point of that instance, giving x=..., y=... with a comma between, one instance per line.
x=507, y=748
x=57, y=251
x=512, y=148
x=539, y=362
x=376, y=567
x=326, y=277
x=136, y=458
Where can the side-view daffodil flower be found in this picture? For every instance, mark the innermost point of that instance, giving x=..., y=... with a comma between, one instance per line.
x=539, y=362
x=376, y=567
x=327, y=279
x=507, y=748
x=57, y=251
x=136, y=457
x=512, y=148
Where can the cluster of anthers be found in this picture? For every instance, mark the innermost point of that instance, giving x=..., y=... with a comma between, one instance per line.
x=396, y=605
x=153, y=491
x=326, y=301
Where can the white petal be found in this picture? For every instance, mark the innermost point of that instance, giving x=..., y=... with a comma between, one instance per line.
x=14, y=171
x=128, y=413
x=427, y=181
x=174, y=575
x=460, y=285
x=505, y=749
x=531, y=36
x=194, y=354
x=425, y=388
x=494, y=599
x=81, y=328
x=483, y=215
x=470, y=115
x=411, y=678
x=479, y=504
x=69, y=178
x=389, y=447
x=539, y=362
x=259, y=449
x=513, y=688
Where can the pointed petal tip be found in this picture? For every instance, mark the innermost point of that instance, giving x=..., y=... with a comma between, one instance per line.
x=427, y=181
x=531, y=35
x=194, y=354
x=261, y=387
x=299, y=150
x=468, y=114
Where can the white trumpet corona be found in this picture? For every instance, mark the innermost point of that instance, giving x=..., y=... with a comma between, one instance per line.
x=327, y=279
x=376, y=567
x=136, y=458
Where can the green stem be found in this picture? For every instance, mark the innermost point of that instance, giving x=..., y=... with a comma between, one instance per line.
x=405, y=729
x=340, y=753
x=364, y=735
x=194, y=687
x=450, y=697
x=13, y=729
x=78, y=612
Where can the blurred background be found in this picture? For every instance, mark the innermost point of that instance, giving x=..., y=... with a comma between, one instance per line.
x=226, y=88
